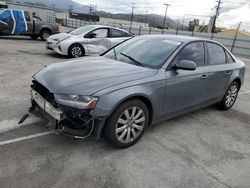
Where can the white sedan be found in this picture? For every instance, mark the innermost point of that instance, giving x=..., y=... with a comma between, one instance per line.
x=90, y=39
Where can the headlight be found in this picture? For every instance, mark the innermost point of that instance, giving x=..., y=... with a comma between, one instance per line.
x=76, y=101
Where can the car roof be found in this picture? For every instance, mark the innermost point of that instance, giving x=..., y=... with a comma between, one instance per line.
x=177, y=38
x=105, y=26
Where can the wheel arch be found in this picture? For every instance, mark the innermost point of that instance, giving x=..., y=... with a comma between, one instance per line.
x=238, y=80
x=142, y=98
x=45, y=28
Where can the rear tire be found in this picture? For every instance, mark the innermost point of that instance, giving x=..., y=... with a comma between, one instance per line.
x=45, y=33
x=127, y=124
x=76, y=50
x=230, y=96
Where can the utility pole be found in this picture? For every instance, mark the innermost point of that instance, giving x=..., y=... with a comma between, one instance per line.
x=235, y=36
x=166, y=11
x=216, y=14
x=132, y=15
x=146, y=18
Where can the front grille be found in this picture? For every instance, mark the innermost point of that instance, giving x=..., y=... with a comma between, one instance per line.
x=44, y=92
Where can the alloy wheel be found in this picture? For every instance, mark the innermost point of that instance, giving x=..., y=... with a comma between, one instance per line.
x=76, y=51
x=130, y=124
x=231, y=95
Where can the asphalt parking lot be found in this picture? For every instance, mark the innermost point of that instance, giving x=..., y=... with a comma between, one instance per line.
x=207, y=148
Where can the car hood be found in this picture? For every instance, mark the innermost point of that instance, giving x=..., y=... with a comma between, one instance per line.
x=60, y=36
x=86, y=76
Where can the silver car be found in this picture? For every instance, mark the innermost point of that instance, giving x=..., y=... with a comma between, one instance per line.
x=90, y=39
x=138, y=83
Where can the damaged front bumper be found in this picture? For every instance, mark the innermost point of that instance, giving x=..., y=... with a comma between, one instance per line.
x=57, y=114
x=65, y=120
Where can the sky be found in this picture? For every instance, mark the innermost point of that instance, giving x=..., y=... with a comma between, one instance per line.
x=231, y=13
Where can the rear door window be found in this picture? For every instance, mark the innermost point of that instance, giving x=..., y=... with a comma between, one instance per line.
x=216, y=54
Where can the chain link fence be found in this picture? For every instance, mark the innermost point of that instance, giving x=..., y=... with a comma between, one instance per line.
x=238, y=45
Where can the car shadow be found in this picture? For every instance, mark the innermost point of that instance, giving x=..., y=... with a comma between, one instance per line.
x=19, y=38
x=190, y=115
x=56, y=55
x=59, y=56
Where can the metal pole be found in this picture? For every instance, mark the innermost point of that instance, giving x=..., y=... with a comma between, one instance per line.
x=183, y=22
x=132, y=15
x=235, y=36
x=166, y=11
x=149, y=32
x=146, y=18
x=177, y=27
x=140, y=30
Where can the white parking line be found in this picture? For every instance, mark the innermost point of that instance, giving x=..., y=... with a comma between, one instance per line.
x=25, y=138
x=244, y=92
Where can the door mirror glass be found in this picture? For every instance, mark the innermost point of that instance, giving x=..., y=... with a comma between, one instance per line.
x=185, y=65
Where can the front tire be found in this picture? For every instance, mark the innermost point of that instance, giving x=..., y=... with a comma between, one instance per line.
x=76, y=50
x=127, y=124
x=230, y=96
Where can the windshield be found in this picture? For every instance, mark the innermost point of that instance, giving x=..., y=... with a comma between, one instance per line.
x=81, y=30
x=150, y=51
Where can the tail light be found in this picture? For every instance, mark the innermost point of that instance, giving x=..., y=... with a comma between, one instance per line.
x=57, y=27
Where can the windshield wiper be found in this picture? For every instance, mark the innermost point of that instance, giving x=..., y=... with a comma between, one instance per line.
x=131, y=58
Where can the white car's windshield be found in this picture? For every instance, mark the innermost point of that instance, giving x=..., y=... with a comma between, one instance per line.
x=81, y=30
x=144, y=51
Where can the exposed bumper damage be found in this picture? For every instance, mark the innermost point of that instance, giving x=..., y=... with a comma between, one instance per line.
x=65, y=120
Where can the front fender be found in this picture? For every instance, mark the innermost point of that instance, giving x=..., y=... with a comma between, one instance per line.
x=153, y=91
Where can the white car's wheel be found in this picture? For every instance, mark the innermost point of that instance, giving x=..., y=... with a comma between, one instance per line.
x=76, y=50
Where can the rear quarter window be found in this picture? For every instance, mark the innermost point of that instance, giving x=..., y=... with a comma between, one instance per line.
x=115, y=33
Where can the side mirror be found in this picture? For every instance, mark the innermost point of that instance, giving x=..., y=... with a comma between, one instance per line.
x=92, y=35
x=185, y=65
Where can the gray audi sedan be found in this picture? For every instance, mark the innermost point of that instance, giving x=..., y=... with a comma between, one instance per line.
x=135, y=84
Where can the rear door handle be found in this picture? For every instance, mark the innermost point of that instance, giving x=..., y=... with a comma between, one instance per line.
x=229, y=72
x=204, y=76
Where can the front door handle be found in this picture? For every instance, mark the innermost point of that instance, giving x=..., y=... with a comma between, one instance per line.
x=204, y=76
